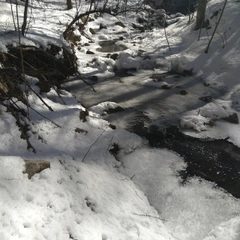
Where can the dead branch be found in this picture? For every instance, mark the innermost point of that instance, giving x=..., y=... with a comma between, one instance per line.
x=89, y=84
x=150, y=216
x=45, y=117
x=50, y=108
x=78, y=17
x=93, y=144
x=215, y=29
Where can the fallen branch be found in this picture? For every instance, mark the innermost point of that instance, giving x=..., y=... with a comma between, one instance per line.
x=89, y=84
x=39, y=97
x=165, y=32
x=56, y=90
x=215, y=29
x=147, y=215
x=93, y=144
x=45, y=117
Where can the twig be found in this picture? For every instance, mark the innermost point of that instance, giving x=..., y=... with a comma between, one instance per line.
x=206, y=51
x=166, y=36
x=21, y=58
x=131, y=178
x=93, y=144
x=90, y=8
x=56, y=90
x=225, y=37
x=89, y=84
x=223, y=42
x=147, y=215
x=200, y=31
x=19, y=109
x=39, y=97
x=45, y=117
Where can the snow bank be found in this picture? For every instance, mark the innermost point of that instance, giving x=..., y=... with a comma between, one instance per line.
x=73, y=200
x=127, y=61
x=190, y=210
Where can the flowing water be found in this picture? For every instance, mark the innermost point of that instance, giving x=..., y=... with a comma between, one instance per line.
x=152, y=110
x=144, y=100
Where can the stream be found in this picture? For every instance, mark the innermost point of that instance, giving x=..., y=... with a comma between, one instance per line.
x=152, y=111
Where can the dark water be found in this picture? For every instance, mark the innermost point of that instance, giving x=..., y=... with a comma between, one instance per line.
x=217, y=161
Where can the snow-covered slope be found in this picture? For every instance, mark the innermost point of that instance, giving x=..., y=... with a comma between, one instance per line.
x=88, y=193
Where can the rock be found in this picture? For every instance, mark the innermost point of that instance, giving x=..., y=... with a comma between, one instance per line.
x=206, y=99
x=166, y=86
x=115, y=110
x=232, y=118
x=142, y=20
x=102, y=26
x=92, y=31
x=158, y=80
x=89, y=52
x=112, y=126
x=35, y=166
x=114, y=150
x=211, y=123
x=110, y=46
x=187, y=72
x=157, y=77
x=183, y=92
x=114, y=56
x=80, y=130
x=83, y=115
x=139, y=27
x=120, y=24
x=94, y=78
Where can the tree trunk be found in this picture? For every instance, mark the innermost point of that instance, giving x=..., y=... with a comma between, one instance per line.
x=69, y=4
x=24, y=25
x=215, y=29
x=201, y=14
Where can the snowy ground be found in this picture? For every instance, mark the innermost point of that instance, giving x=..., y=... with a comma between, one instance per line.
x=87, y=193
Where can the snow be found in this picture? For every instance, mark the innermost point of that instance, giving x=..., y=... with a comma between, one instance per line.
x=126, y=61
x=74, y=200
x=189, y=210
x=88, y=193
x=101, y=108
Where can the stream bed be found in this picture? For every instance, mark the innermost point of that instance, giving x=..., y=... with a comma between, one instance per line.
x=153, y=112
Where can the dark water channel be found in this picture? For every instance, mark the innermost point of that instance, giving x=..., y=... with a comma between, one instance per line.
x=216, y=160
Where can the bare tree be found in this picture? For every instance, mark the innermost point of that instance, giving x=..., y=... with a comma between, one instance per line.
x=24, y=25
x=13, y=16
x=219, y=19
x=102, y=6
x=69, y=4
x=201, y=9
x=93, y=8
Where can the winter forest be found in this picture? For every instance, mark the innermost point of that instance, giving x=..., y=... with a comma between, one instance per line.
x=119, y=120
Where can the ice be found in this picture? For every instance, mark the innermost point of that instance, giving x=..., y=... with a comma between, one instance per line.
x=190, y=210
